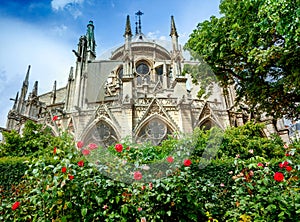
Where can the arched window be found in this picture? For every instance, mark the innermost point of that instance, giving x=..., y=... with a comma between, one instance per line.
x=159, y=72
x=102, y=134
x=142, y=69
x=155, y=131
x=206, y=125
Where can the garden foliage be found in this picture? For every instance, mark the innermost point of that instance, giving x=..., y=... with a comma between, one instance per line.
x=251, y=179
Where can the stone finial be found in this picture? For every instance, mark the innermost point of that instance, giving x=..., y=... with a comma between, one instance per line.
x=128, y=27
x=173, y=27
x=26, y=81
x=35, y=89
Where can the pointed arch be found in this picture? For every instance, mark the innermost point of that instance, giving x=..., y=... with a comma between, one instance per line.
x=155, y=128
x=101, y=131
x=208, y=119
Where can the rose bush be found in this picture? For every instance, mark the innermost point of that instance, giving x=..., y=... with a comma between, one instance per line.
x=70, y=187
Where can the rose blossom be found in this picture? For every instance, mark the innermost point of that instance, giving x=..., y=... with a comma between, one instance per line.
x=64, y=169
x=137, y=175
x=54, y=150
x=80, y=163
x=119, y=148
x=260, y=165
x=288, y=168
x=284, y=164
x=71, y=177
x=15, y=205
x=54, y=118
x=278, y=176
x=79, y=144
x=150, y=186
x=140, y=209
x=85, y=152
x=251, y=151
x=93, y=146
x=170, y=159
x=187, y=162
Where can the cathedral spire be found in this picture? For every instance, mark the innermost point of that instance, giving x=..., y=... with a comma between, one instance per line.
x=23, y=91
x=138, y=23
x=35, y=89
x=16, y=101
x=173, y=27
x=174, y=35
x=26, y=80
x=128, y=27
x=54, y=92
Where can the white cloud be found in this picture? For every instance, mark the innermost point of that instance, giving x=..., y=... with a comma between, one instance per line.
x=22, y=45
x=69, y=5
x=153, y=35
x=156, y=35
x=62, y=4
x=60, y=30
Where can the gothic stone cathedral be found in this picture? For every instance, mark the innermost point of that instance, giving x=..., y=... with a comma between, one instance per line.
x=139, y=92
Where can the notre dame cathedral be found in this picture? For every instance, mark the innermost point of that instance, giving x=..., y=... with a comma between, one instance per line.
x=138, y=92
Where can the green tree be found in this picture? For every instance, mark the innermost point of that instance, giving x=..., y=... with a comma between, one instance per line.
x=35, y=138
x=255, y=46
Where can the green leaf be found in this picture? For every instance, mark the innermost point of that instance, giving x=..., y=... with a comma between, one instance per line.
x=83, y=212
x=124, y=209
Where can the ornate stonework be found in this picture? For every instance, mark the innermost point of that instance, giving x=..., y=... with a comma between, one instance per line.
x=139, y=92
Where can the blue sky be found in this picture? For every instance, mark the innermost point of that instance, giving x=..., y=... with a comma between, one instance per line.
x=42, y=33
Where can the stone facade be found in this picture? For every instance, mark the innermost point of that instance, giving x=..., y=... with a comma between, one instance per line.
x=140, y=92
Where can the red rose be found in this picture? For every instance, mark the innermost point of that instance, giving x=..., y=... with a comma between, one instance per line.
x=54, y=150
x=137, y=175
x=284, y=164
x=15, y=205
x=278, y=176
x=80, y=163
x=71, y=177
x=150, y=186
x=93, y=146
x=140, y=209
x=187, y=162
x=85, y=152
x=119, y=148
x=288, y=168
x=79, y=144
x=54, y=118
x=170, y=159
x=260, y=165
x=64, y=169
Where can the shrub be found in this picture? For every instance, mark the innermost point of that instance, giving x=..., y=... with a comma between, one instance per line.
x=34, y=138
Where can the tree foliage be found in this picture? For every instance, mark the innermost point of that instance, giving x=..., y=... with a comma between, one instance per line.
x=255, y=45
x=34, y=138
